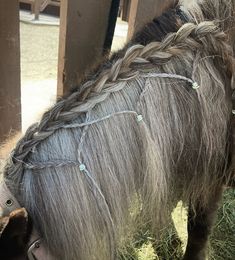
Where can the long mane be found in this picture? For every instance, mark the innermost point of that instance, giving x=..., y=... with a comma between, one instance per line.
x=130, y=140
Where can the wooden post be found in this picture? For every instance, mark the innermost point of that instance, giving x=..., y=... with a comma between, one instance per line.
x=37, y=6
x=10, y=95
x=126, y=10
x=143, y=11
x=82, y=35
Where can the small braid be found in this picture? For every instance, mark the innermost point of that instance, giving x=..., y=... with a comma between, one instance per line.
x=205, y=36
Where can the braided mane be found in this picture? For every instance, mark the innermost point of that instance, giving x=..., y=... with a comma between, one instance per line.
x=137, y=59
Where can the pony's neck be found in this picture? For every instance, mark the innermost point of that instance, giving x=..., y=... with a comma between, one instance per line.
x=168, y=22
x=155, y=31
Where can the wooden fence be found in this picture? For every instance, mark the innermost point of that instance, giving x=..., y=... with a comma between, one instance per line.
x=86, y=32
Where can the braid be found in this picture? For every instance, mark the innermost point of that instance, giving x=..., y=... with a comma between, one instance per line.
x=138, y=58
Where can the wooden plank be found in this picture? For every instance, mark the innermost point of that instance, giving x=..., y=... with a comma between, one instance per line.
x=126, y=10
x=143, y=11
x=37, y=6
x=82, y=35
x=10, y=95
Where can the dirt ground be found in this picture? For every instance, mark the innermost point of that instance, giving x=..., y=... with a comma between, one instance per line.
x=39, y=51
x=39, y=60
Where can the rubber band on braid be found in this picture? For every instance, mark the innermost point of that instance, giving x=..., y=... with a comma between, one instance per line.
x=137, y=59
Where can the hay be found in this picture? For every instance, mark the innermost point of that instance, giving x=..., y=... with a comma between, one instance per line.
x=222, y=241
x=145, y=246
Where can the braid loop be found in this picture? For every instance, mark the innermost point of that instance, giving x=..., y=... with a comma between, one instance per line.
x=205, y=36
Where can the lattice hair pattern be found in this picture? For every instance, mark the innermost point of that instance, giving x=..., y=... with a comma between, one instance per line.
x=138, y=58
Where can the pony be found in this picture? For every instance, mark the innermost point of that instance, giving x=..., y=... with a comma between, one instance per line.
x=152, y=125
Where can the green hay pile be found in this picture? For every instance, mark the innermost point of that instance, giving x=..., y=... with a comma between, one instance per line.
x=144, y=246
x=222, y=241
x=139, y=243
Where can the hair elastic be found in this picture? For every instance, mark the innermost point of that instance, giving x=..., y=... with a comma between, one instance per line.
x=139, y=118
x=82, y=167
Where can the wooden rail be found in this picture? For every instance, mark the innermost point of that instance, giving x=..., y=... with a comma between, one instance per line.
x=38, y=6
